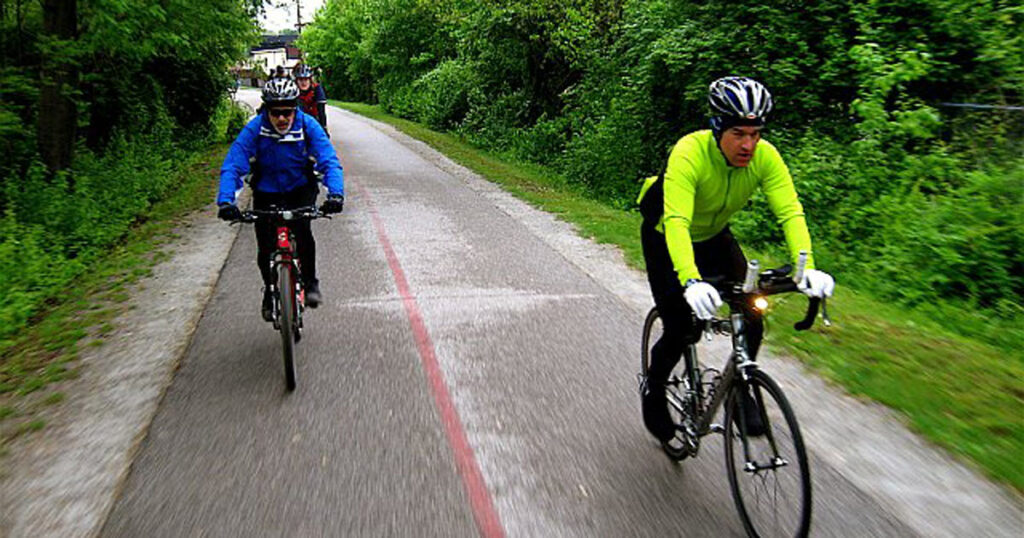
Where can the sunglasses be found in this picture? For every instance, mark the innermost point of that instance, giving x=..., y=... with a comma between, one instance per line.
x=281, y=112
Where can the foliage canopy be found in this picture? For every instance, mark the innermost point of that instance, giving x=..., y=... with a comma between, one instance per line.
x=149, y=87
x=915, y=200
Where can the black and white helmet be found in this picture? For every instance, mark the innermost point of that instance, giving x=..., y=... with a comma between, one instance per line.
x=280, y=91
x=740, y=98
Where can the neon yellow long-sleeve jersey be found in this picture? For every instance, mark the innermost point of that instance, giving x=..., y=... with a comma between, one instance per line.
x=702, y=192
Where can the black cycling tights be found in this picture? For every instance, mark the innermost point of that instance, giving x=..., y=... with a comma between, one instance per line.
x=266, y=232
x=719, y=256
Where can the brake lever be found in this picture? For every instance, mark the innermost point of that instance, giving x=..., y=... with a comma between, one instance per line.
x=812, y=312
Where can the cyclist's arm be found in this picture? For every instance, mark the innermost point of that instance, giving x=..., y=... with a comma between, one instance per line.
x=680, y=189
x=327, y=162
x=777, y=185
x=236, y=163
x=320, y=97
x=321, y=114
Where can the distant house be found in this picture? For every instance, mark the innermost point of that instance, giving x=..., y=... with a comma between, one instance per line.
x=273, y=50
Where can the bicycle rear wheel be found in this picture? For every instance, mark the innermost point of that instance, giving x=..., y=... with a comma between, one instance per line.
x=286, y=292
x=652, y=329
x=681, y=447
x=769, y=475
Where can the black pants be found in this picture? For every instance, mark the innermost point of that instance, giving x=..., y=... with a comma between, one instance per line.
x=266, y=232
x=719, y=256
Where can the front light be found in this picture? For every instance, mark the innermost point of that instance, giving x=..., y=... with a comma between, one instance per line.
x=761, y=304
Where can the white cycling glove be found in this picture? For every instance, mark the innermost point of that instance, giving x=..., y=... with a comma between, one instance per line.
x=817, y=283
x=703, y=299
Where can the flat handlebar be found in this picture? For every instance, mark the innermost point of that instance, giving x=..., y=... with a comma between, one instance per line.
x=287, y=215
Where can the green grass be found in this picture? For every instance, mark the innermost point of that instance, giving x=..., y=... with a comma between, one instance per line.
x=45, y=352
x=963, y=394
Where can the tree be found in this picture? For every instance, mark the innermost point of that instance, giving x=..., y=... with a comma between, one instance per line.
x=57, y=110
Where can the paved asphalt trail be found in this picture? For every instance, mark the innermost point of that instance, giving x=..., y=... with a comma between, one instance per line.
x=537, y=358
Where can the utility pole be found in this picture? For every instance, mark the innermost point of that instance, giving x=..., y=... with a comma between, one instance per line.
x=298, y=16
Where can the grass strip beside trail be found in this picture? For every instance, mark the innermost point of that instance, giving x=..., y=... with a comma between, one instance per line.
x=82, y=316
x=962, y=394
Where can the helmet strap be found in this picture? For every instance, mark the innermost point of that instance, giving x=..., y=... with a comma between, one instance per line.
x=716, y=127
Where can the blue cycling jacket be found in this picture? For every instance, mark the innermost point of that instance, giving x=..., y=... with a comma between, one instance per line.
x=281, y=158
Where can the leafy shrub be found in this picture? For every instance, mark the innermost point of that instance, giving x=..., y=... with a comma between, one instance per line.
x=441, y=98
x=55, y=229
x=904, y=197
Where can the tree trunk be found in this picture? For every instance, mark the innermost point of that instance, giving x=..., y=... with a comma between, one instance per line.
x=57, y=113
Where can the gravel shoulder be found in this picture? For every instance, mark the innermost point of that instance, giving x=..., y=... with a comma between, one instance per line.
x=63, y=481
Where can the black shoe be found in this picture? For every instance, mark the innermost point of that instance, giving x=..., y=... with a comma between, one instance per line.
x=655, y=410
x=675, y=449
x=267, y=309
x=313, y=297
x=751, y=414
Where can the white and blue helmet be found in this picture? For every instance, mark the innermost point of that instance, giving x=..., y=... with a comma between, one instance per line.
x=280, y=91
x=740, y=100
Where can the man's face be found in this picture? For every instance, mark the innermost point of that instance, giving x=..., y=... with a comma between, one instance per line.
x=738, y=144
x=303, y=83
x=281, y=117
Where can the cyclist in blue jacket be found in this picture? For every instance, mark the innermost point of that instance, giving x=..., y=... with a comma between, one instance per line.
x=281, y=147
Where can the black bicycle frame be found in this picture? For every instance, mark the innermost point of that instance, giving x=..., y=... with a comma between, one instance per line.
x=740, y=307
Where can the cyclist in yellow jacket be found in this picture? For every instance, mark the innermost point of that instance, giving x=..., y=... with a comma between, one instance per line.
x=685, y=233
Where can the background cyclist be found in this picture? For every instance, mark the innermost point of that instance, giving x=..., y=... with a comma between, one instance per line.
x=311, y=95
x=710, y=175
x=277, y=146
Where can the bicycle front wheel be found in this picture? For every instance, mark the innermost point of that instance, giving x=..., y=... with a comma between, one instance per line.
x=766, y=460
x=287, y=320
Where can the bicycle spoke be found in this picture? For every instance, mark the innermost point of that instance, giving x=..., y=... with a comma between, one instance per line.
x=768, y=473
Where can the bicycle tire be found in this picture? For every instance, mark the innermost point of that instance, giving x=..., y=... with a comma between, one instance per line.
x=680, y=449
x=286, y=312
x=779, y=415
x=645, y=352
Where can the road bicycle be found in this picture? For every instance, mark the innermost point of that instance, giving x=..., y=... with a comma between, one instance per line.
x=766, y=461
x=286, y=281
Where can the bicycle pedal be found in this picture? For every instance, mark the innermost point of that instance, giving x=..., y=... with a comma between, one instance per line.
x=717, y=428
x=641, y=381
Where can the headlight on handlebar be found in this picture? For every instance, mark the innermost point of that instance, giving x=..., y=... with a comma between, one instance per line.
x=761, y=304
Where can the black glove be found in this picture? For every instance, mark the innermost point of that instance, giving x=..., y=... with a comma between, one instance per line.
x=334, y=204
x=229, y=212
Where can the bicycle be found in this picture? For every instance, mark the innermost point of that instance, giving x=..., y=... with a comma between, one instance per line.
x=286, y=282
x=771, y=443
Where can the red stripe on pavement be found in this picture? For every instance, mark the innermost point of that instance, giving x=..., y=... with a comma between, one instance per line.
x=472, y=479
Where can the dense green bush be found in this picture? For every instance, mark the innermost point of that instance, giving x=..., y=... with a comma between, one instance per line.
x=443, y=95
x=152, y=77
x=56, y=235
x=905, y=196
